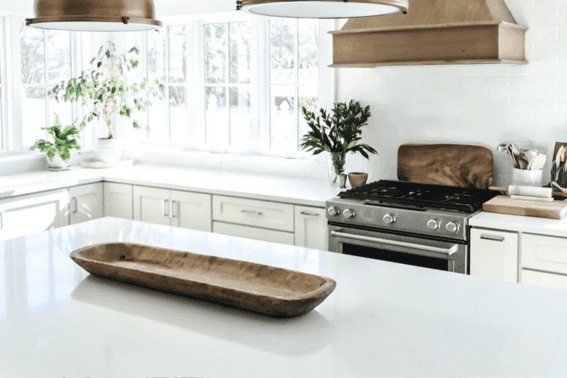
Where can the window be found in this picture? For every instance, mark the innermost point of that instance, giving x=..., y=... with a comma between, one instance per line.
x=168, y=117
x=227, y=78
x=293, y=79
x=45, y=61
x=234, y=83
x=3, y=89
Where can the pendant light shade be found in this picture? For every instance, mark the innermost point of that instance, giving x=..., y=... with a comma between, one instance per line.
x=94, y=15
x=322, y=8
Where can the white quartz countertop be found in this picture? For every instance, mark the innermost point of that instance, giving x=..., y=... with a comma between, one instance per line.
x=280, y=189
x=517, y=223
x=383, y=319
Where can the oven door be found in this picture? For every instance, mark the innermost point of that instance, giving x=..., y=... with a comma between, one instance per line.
x=411, y=250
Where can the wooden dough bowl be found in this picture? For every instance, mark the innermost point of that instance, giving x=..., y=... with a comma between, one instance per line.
x=254, y=287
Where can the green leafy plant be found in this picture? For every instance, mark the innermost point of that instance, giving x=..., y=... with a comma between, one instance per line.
x=104, y=91
x=337, y=132
x=64, y=140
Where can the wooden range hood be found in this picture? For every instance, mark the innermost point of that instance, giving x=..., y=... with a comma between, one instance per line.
x=432, y=32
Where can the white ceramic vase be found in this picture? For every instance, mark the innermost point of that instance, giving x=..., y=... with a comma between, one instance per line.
x=57, y=163
x=108, y=150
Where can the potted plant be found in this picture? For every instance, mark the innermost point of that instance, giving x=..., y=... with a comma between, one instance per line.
x=105, y=92
x=337, y=132
x=58, y=152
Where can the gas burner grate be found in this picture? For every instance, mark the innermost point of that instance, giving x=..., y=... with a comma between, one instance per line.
x=439, y=197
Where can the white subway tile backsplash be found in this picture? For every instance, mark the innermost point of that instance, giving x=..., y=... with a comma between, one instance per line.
x=471, y=104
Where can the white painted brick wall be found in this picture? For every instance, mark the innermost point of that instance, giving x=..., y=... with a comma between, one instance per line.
x=473, y=104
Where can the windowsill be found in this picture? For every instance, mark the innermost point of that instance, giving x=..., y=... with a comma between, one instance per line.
x=314, y=167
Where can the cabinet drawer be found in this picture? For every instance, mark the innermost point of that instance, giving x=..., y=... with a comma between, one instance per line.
x=556, y=281
x=547, y=253
x=264, y=214
x=494, y=254
x=253, y=233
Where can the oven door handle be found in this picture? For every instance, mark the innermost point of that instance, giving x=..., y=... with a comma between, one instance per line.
x=446, y=251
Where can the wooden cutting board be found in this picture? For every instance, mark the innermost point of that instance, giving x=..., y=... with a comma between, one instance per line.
x=445, y=164
x=540, y=209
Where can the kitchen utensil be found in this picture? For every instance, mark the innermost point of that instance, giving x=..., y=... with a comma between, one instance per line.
x=445, y=164
x=357, y=178
x=254, y=287
x=530, y=208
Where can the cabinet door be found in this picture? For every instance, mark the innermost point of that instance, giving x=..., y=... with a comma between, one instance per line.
x=494, y=254
x=531, y=277
x=152, y=205
x=118, y=200
x=29, y=214
x=311, y=228
x=253, y=233
x=86, y=202
x=545, y=253
x=191, y=210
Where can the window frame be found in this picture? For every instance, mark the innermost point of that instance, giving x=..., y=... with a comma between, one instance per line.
x=4, y=84
x=259, y=82
x=12, y=131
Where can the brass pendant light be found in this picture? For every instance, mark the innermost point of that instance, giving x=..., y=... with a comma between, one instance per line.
x=94, y=15
x=322, y=8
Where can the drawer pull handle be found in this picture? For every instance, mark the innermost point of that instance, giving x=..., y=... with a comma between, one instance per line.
x=173, y=207
x=250, y=212
x=165, y=208
x=492, y=238
x=309, y=214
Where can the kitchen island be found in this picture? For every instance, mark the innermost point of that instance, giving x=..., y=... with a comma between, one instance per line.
x=383, y=319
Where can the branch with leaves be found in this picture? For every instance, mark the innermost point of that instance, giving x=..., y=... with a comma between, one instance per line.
x=64, y=140
x=337, y=132
x=104, y=90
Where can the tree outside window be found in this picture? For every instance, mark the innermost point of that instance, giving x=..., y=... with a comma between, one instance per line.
x=45, y=61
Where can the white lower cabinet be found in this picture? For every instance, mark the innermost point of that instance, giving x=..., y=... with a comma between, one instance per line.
x=254, y=219
x=85, y=202
x=33, y=213
x=544, y=261
x=172, y=207
x=118, y=200
x=531, y=277
x=311, y=228
x=253, y=233
x=494, y=254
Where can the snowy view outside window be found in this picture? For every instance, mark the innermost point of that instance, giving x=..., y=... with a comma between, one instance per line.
x=211, y=95
x=293, y=76
x=45, y=61
x=228, y=120
x=167, y=62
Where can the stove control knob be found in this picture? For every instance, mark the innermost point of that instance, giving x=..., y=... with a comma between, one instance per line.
x=332, y=211
x=433, y=224
x=389, y=218
x=451, y=227
x=348, y=213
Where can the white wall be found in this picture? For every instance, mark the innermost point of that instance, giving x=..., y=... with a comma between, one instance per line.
x=470, y=104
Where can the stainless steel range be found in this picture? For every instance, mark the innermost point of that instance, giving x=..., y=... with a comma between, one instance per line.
x=415, y=224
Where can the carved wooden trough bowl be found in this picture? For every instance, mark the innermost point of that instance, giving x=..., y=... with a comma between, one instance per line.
x=254, y=287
